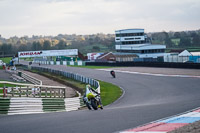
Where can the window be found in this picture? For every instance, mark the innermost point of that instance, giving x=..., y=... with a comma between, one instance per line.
x=129, y=38
x=117, y=35
x=138, y=38
x=129, y=34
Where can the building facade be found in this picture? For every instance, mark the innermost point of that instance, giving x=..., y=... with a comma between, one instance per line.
x=135, y=41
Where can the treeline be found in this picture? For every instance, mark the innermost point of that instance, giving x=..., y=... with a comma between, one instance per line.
x=182, y=39
x=93, y=43
x=85, y=43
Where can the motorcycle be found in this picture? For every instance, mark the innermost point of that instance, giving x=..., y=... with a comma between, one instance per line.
x=92, y=98
x=112, y=73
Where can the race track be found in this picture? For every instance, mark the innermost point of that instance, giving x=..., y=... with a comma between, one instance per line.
x=147, y=98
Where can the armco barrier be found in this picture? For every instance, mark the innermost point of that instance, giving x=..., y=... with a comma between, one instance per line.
x=31, y=79
x=77, y=77
x=147, y=64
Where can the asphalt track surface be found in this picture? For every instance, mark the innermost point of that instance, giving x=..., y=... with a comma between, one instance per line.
x=147, y=98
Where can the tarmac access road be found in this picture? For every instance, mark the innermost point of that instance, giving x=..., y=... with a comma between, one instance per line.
x=147, y=98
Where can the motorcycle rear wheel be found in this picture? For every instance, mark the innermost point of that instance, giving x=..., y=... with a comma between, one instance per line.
x=94, y=104
x=88, y=105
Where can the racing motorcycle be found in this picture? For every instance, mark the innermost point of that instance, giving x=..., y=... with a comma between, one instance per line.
x=92, y=98
x=112, y=73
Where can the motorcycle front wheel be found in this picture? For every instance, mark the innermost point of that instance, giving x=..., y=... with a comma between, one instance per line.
x=94, y=104
x=88, y=105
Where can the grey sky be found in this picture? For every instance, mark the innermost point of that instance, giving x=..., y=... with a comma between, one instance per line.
x=52, y=17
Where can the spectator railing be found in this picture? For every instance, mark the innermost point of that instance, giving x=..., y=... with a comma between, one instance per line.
x=31, y=90
x=30, y=78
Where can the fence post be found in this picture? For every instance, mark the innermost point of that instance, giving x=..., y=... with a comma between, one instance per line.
x=12, y=92
x=20, y=92
x=59, y=93
x=54, y=93
x=40, y=91
x=27, y=91
x=50, y=93
x=46, y=92
x=33, y=92
x=64, y=93
x=4, y=91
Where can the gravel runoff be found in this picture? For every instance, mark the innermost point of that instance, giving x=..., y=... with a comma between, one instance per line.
x=191, y=128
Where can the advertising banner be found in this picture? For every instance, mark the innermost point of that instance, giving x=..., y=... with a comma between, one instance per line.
x=42, y=53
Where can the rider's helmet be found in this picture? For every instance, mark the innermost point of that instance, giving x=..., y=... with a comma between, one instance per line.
x=88, y=86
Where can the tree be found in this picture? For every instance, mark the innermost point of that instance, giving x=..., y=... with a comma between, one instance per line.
x=47, y=45
x=22, y=47
x=168, y=42
x=61, y=45
x=7, y=49
x=96, y=48
x=185, y=41
x=177, y=35
x=160, y=37
x=196, y=40
x=36, y=46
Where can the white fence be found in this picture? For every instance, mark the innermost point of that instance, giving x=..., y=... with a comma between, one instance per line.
x=78, y=63
x=175, y=58
x=182, y=59
x=30, y=78
x=31, y=90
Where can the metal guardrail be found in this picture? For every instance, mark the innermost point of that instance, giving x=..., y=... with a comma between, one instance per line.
x=31, y=90
x=77, y=77
x=30, y=78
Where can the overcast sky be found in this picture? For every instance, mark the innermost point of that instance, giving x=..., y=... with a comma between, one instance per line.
x=53, y=17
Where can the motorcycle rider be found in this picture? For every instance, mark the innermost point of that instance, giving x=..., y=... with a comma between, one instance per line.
x=112, y=72
x=94, y=91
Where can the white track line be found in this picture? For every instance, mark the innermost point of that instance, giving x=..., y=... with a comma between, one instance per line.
x=152, y=74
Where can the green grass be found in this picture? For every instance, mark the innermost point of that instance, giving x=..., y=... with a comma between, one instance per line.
x=28, y=59
x=7, y=85
x=6, y=59
x=176, y=41
x=193, y=49
x=4, y=105
x=109, y=92
x=92, y=67
x=53, y=104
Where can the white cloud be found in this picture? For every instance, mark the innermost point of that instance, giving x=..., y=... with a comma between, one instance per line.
x=51, y=17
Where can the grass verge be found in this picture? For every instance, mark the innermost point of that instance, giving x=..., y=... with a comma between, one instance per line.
x=109, y=92
x=6, y=59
